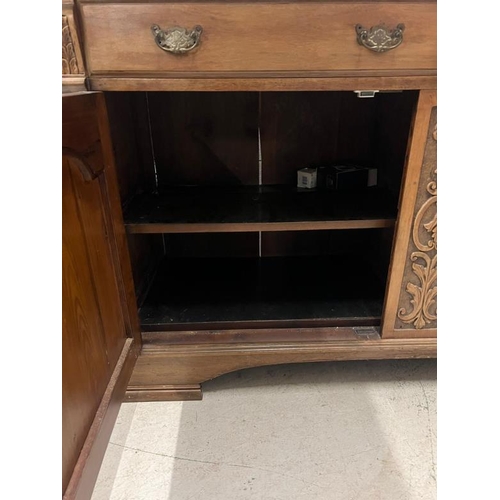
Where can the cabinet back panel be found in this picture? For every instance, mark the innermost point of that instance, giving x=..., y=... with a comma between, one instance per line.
x=309, y=129
x=130, y=133
x=302, y=129
x=212, y=245
x=205, y=138
x=277, y=244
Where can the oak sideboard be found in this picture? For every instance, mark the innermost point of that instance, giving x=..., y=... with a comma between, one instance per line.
x=188, y=249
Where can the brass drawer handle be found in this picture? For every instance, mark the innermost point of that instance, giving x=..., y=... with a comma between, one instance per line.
x=177, y=40
x=379, y=38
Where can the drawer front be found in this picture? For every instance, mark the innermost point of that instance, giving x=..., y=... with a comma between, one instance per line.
x=259, y=37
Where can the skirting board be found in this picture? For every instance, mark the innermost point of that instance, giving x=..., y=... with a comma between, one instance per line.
x=176, y=372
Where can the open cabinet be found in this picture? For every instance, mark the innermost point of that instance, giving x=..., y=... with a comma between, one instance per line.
x=185, y=231
x=231, y=242
x=234, y=265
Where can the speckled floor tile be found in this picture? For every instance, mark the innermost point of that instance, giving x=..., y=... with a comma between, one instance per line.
x=326, y=431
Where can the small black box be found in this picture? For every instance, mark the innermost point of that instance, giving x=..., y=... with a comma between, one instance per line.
x=346, y=177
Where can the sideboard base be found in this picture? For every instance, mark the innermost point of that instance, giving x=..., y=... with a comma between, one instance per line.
x=176, y=372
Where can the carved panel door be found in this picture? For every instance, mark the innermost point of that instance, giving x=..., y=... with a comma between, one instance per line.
x=411, y=300
x=99, y=323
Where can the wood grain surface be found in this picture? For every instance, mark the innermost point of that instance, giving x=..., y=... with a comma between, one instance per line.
x=99, y=319
x=413, y=192
x=285, y=82
x=186, y=365
x=265, y=37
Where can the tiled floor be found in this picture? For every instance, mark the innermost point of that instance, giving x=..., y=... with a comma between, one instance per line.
x=329, y=431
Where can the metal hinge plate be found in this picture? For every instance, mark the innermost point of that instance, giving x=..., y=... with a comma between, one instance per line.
x=366, y=93
x=367, y=332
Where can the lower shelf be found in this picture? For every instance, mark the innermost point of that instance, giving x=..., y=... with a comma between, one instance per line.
x=267, y=292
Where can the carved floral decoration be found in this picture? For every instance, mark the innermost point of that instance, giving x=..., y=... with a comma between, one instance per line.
x=69, y=61
x=424, y=260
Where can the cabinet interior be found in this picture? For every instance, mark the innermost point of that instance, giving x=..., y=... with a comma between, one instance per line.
x=219, y=235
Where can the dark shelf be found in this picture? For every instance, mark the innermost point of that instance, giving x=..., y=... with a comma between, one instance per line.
x=258, y=208
x=271, y=291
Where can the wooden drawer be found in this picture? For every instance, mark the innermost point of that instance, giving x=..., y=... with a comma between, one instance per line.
x=255, y=37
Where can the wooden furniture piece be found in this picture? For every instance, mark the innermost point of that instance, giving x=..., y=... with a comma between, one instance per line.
x=188, y=250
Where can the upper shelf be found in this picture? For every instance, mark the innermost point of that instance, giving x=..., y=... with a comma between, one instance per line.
x=258, y=208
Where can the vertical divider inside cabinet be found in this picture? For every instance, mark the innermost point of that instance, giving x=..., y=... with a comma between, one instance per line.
x=297, y=129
